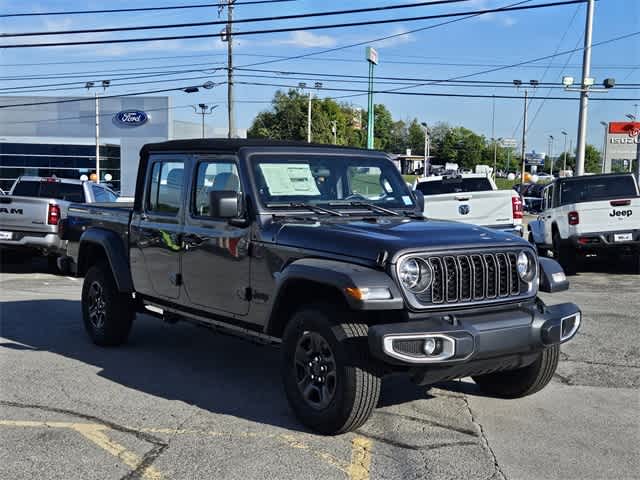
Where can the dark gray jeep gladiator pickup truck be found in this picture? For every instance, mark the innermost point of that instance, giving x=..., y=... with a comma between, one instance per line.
x=325, y=251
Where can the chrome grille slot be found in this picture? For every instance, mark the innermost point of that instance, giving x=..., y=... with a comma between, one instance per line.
x=479, y=277
x=438, y=285
x=492, y=276
x=466, y=278
x=503, y=275
x=515, y=280
x=451, y=278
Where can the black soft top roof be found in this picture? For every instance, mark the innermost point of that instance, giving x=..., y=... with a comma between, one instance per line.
x=235, y=144
x=595, y=177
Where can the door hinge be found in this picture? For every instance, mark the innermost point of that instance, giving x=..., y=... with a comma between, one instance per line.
x=176, y=279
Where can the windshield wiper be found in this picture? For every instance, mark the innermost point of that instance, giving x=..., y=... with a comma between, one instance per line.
x=369, y=206
x=313, y=208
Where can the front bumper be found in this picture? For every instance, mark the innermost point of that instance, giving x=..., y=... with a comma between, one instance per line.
x=470, y=340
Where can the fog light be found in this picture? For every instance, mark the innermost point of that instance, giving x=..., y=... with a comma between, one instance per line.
x=430, y=346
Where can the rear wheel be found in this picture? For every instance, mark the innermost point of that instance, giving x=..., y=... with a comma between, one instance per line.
x=330, y=381
x=107, y=313
x=636, y=262
x=565, y=255
x=523, y=381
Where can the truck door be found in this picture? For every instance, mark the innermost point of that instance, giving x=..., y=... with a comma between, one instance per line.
x=156, y=231
x=547, y=213
x=215, y=262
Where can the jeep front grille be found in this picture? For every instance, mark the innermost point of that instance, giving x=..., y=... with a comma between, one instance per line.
x=474, y=278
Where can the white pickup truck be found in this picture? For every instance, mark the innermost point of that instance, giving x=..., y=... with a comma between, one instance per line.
x=471, y=198
x=32, y=213
x=594, y=214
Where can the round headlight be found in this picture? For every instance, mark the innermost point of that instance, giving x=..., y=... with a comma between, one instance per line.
x=415, y=275
x=525, y=266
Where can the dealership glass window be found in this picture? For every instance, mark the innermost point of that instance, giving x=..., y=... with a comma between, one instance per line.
x=211, y=177
x=165, y=190
x=60, y=160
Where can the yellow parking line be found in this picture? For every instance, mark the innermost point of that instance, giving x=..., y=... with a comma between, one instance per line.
x=360, y=459
x=95, y=433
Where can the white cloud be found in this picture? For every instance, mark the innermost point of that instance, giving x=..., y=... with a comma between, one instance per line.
x=503, y=19
x=401, y=38
x=306, y=40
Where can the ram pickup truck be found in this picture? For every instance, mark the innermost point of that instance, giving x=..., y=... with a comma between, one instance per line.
x=471, y=198
x=31, y=215
x=325, y=251
x=593, y=214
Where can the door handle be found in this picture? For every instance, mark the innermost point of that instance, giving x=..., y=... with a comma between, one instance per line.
x=144, y=216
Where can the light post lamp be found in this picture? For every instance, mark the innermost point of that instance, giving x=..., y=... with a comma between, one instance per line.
x=564, y=149
x=204, y=110
x=551, y=152
x=518, y=84
x=427, y=147
x=89, y=85
x=372, y=58
x=604, y=146
x=631, y=117
x=303, y=86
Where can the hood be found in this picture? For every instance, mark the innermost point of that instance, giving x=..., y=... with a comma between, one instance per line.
x=367, y=238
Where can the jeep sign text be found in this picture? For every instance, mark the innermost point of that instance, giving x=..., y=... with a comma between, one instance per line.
x=621, y=213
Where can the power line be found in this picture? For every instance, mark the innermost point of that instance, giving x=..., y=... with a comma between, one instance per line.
x=429, y=94
x=140, y=9
x=84, y=99
x=225, y=22
x=298, y=28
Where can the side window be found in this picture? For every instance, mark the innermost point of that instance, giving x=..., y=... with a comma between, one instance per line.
x=211, y=176
x=366, y=181
x=165, y=189
x=99, y=193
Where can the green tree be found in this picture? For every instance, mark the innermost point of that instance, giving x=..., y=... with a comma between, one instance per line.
x=592, y=160
x=415, y=138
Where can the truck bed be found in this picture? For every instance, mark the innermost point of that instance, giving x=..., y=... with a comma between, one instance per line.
x=114, y=217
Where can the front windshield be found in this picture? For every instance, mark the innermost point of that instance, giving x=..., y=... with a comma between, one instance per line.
x=326, y=180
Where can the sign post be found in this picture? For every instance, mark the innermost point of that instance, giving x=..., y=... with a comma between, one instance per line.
x=372, y=58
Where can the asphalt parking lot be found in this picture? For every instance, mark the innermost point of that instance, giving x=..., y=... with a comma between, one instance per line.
x=179, y=402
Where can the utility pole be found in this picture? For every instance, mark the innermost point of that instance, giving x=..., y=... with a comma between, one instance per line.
x=584, y=93
x=230, y=105
x=309, y=118
x=604, y=146
x=334, y=130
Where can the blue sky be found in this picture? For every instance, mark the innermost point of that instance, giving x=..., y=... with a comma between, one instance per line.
x=494, y=39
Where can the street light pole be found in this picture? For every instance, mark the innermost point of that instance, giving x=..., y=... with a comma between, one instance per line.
x=427, y=142
x=551, y=152
x=584, y=93
x=88, y=85
x=604, y=147
x=372, y=59
x=564, y=149
x=309, y=118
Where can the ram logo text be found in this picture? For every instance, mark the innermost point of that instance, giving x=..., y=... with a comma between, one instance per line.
x=12, y=211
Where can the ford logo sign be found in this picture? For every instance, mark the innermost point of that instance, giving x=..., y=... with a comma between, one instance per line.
x=464, y=209
x=130, y=118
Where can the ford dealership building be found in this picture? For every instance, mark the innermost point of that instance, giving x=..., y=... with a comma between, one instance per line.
x=48, y=136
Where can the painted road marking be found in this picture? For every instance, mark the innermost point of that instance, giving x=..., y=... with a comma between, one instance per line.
x=96, y=434
x=360, y=459
x=358, y=469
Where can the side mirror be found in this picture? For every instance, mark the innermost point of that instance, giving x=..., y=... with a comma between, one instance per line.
x=552, y=277
x=419, y=196
x=226, y=204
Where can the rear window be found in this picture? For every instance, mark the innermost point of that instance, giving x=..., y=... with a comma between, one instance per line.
x=455, y=185
x=58, y=190
x=588, y=189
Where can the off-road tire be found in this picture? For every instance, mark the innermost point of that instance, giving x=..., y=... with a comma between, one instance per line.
x=523, y=381
x=565, y=255
x=636, y=262
x=357, y=379
x=117, y=312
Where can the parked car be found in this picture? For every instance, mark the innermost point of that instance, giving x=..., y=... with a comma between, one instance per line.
x=31, y=215
x=322, y=249
x=472, y=198
x=595, y=214
x=532, y=197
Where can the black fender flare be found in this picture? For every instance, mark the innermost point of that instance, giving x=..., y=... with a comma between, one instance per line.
x=112, y=245
x=341, y=275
